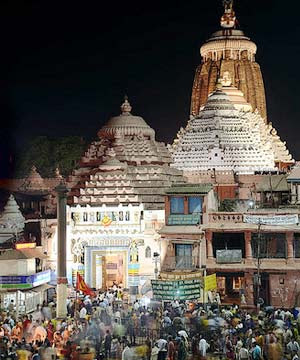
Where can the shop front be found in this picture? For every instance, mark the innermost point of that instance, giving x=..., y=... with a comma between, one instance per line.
x=26, y=291
x=230, y=286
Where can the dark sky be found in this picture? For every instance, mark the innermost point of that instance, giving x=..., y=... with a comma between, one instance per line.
x=65, y=65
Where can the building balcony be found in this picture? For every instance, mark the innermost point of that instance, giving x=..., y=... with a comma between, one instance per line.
x=228, y=217
x=180, y=263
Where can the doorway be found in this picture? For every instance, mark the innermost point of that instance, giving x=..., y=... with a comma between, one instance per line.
x=109, y=268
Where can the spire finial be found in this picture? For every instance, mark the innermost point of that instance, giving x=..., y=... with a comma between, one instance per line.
x=228, y=19
x=125, y=107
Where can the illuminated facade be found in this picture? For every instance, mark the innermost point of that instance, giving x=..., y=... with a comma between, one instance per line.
x=116, y=204
x=229, y=50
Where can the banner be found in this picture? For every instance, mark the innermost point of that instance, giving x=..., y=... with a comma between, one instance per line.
x=176, y=290
x=291, y=219
x=229, y=256
x=181, y=276
x=210, y=282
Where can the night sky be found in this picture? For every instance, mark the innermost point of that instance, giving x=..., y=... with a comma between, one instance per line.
x=65, y=66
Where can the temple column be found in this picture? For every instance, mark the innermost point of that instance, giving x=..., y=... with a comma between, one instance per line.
x=62, y=282
x=210, y=253
x=289, y=242
x=248, y=247
x=294, y=193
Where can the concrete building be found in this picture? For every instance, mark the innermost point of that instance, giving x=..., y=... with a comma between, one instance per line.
x=254, y=252
x=24, y=276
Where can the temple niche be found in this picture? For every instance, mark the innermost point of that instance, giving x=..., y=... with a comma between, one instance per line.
x=228, y=50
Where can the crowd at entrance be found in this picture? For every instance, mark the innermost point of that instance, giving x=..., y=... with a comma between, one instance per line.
x=109, y=327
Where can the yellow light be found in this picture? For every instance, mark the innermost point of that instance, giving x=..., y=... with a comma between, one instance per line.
x=25, y=246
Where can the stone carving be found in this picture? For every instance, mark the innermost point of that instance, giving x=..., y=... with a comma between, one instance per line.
x=222, y=137
x=229, y=50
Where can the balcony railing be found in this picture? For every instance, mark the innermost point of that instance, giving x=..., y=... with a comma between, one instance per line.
x=180, y=263
x=221, y=217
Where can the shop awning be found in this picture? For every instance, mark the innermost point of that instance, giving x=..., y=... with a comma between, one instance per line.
x=180, y=229
x=34, y=253
x=42, y=288
x=13, y=254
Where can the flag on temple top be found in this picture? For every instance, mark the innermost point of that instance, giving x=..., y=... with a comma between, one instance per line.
x=82, y=286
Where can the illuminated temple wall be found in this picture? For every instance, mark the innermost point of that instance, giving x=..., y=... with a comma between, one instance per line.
x=101, y=234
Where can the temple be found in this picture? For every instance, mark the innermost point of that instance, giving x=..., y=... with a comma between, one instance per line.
x=229, y=50
x=225, y=194
x=227, y=135
x=116, y=204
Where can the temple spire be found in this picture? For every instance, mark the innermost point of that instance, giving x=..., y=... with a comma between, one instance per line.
x=125, y=107
x=228, y=19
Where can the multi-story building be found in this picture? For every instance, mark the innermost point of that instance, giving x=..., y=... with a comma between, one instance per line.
x=252, y=246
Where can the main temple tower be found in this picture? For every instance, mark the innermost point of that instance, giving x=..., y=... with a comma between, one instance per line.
x=229, y=50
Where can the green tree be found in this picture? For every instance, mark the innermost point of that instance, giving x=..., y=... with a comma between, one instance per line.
x=49, y=153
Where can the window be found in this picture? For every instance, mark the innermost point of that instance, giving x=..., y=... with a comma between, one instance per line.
x=85, y=216
x=148, y=252
x=195, y=204
x=177, y=205
x=183, y=256
x=271, y=245
x=297, y=245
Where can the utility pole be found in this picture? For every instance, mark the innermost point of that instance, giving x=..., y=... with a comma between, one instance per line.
x=156, y=259
x=258, y=280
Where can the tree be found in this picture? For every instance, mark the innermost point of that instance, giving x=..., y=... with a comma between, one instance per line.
x=49, y=153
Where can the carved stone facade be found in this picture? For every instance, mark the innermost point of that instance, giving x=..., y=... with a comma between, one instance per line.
x=229, y=50
x=125, y=166
x=117, y=203
x=227, y=136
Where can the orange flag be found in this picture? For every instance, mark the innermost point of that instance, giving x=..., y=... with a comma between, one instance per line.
x=82, y=286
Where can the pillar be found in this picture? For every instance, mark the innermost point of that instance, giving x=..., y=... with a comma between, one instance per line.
x=294, y=193
x=289, y=242
x=298, y=193
x=210, y=253
x=248, y=247
x=62, y=282
x=186, y=205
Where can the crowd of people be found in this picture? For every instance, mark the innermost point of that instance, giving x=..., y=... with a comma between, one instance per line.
x=108, y=327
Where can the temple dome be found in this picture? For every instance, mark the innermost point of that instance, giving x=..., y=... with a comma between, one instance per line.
x=126, y=124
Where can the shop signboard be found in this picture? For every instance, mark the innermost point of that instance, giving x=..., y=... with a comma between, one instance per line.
x=180, y=289
x=20, y=282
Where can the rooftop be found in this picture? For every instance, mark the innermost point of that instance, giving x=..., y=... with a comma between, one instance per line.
x=189, y=189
